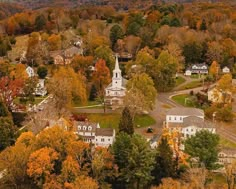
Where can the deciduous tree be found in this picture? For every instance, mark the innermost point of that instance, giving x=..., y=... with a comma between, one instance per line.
x=41, y=164
x=105, y=53
x=9, y=89
x=204, y=145
x=101, y=77
x=141, y=94
x=65, y=86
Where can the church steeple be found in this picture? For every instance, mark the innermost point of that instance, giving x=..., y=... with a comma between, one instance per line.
x=117, y=78
x=117, y=68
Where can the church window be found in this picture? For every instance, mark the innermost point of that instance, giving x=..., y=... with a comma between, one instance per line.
x=84, y=127
x=102, y=140
x=89, y=128
x=79, y=127
x=116, y=74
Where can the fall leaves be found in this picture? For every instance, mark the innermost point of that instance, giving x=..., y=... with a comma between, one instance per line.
x=55, y=158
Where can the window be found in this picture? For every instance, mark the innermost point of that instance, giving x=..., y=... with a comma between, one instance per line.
x=180, y=118
x=84, y=127
x=116, y=74
x=187, y=130
x=79, y=127
x=169, y=118
x=175, y=118
x=108, y=139
x=192, y=130
x=102, y=140
x=89, y=128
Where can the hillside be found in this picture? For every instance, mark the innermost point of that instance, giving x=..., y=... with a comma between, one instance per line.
x=36, y=4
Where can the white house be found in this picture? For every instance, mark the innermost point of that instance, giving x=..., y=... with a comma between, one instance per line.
x=92, y=133
x=176, y=115
x=187, y=121
x=115, y=91
x=30, y=71
x=40, y=89
x=197, y=69
x=227, y=155
x=104, y=137
x=225, y=70
x=86, y=130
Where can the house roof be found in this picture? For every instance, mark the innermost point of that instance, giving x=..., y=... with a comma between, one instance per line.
x=104, y=132
x=197, y=121
x=55, y=53
x=228, y=151
x=72, y=50
x=185, y=111
x=87, y=124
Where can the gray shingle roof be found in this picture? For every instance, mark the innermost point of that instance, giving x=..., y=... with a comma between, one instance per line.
x=104, y=132
x=197, y=121
x=185, y=112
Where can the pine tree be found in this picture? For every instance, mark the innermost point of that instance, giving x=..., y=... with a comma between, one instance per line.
x=203, y=25
x=126, y=122
x=93, y=93
x=165, y=165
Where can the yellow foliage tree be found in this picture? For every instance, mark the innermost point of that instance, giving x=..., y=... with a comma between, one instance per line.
x=41, y=164
x=67, y=85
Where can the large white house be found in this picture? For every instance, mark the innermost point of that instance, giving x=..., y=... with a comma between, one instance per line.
x=176, y=115
x=115, y=91
x=40, y=89
x=92, y=133
x=30, y=71
x=197, y=69
x=187, y=121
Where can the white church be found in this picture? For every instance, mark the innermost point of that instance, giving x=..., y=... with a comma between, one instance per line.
x=115, y=91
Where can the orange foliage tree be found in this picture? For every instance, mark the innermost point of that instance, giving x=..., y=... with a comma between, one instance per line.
x=41, y=164
x=101, y=76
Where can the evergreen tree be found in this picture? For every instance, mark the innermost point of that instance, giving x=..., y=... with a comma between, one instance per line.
x=3, y=110
x=93, y=93
x=165, y=166
x=7, y=128
x=126, y=122
x=135, y=160
x=203, y=25
x=42, y=72
x=116, y=33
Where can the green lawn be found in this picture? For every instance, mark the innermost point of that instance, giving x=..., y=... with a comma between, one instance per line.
x=179, y=80
x=180, y=99
x=89, y=103
x=224, y=143
x=37, y=100
x=112, y=120
x=191, y=85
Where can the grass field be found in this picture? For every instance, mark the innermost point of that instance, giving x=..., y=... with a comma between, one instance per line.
x=224, y=143
x=180, y=99
x=89, y=103
x=37, y=100
x=179, y=80
x=112, y=120
x=191, y=85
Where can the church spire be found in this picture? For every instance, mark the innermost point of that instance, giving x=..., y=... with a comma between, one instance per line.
x=117, y=68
